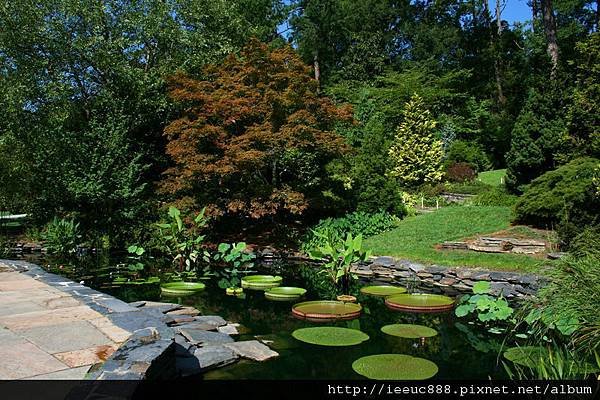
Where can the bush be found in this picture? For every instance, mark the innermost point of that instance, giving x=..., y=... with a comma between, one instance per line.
x=586, y=243
x=461, y=151
x=356, y=223
x=497, y=196
x=564, y=197
x=62, y=236
x=474, y=187
x=460, y=172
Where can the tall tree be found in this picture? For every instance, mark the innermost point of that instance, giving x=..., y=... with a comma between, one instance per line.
x=550, y=32
x=253, y=138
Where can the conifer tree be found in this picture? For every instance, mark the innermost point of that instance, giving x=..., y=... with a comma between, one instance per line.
x=416, y=154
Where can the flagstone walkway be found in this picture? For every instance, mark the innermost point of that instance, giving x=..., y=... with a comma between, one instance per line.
x=48, y=333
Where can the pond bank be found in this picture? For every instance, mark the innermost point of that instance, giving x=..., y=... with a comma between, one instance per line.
x=60, y=329
x=450, y=280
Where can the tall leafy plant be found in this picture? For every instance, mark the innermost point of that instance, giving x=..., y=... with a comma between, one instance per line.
x=182, y=242
x=486, y=307
x=62, y=236
x=338, y=257
x=235, y=261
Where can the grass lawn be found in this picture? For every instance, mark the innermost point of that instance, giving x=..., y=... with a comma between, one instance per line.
x=494, y=178
x=416, y=237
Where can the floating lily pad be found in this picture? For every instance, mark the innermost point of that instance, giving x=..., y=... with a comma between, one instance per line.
x=284, y=293
x=420, y=303
x=261, y=282
x=326, y=310
x=181, y=288
x=394, y=367
x=330, y=336
x=409, y=331
x=382, y=290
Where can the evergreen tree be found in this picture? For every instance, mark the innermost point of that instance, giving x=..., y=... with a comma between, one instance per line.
x=417, y=153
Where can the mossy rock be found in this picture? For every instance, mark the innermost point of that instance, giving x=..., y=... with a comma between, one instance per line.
x=284, y=293
x=420, y=303
x=326, y=310
x=330, y=336
x=261, y=282
x=382, y=290
x=409, y=331
x=181, y=288
x=394, y=367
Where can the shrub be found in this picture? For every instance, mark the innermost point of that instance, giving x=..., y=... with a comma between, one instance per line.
x=564, y=197
x=497, y=196
x=586, y=243
x=62, y=236
x=461, y=151
x=460, y=172
x=356, y=223
x=474, y=187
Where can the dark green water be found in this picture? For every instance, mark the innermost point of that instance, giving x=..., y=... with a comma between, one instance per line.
x=460, y=350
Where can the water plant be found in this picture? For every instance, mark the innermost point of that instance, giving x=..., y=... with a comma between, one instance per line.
x=181, y=288
x=284, y=293
x=382, y=290
x=408, y=331
x=394, y=367
x=234, y=261
x=261, y=282
x=326, y=310
x=183, y=243
x=330, y=336
x=488, y=308
x=62, y=236
x=338, y=257
x=420, y=303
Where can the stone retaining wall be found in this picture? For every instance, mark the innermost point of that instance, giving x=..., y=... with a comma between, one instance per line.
x=451, y=281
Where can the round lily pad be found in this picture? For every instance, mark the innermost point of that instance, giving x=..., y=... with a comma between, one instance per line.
x=284, y=293
x=330, y=336
x=409, y=331
x=394, y=367
x=326, y=310
x=420, y=303
x=181, y=288
x=261, y=282
x=382, y=290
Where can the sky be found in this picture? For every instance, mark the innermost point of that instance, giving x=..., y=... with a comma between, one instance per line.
x=514, y=10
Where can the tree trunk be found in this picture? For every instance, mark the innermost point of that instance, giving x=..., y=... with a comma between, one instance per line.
x=497, y=57
x=534, y=13
x=317, y=68
x=597, y=15
x=550, y=31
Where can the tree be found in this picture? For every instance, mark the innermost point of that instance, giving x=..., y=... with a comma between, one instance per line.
x=253, y=138
x=550, y=32
x=416, y=154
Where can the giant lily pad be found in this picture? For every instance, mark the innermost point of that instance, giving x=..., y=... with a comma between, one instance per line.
x=261, y=282
x=420, y=303
x=326, y=310
x=284, y=293
x=330, y=336
x=181, y=288
x=409, y=331
x=394, y=367
x=382, y=290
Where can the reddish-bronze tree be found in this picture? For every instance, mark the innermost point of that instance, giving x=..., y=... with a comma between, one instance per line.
x=254, y=136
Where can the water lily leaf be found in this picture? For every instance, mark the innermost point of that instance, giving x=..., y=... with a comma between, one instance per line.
x=409, y=331
x=481, y=287
x=382, y=290
x=330, y=336
x=394, y=367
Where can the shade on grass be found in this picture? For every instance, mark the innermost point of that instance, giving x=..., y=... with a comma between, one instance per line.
x=330, y=336
x=416, y=237
x=394, y=367
x=408, y=331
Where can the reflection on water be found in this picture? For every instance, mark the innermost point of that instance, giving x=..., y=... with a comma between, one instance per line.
x=459, y=350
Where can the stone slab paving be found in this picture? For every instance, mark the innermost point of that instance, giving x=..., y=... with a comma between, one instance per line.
x=46, y=332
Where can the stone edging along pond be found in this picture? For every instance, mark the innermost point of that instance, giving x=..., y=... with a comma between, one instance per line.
x=167, y=340
x=451, y=281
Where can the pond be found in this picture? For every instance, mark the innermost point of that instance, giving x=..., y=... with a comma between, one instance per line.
x=460, y=350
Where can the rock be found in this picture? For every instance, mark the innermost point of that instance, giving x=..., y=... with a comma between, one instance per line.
x=481, y=275
x=156, y=313
x=229, y=329
x=202, y=337
x=191, y=311
x=414, y=266
x=468, y=282
x=137, y=303
x=162, y=307
x=437, y=277
x=402, y=274
x=134, y=320
x=503, y=276
x=434, y=269
x=180, y=319
x=556, y=255
x=384, y=261
x=463, y=273
x=210, y=357
x=447, y=281
x=504, y=288
x=183, y=348
x=252, y=349
x=211, y=319
x=112, y=305
x=424, y=275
